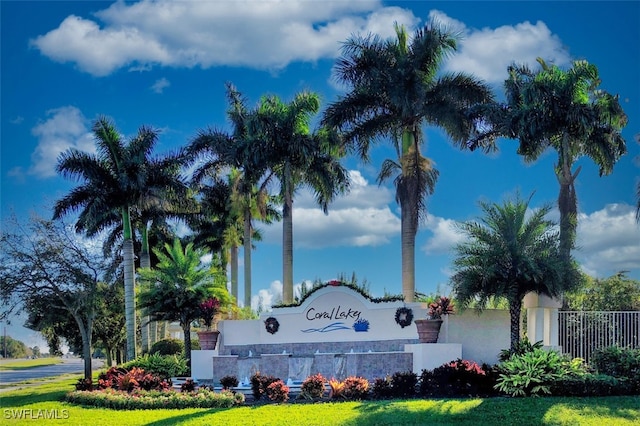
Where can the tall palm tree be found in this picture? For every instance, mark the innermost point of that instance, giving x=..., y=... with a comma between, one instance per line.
x=396, y=88
x=240, y=150
x=299, y=158
x=116, y=183
x=180, y=282
x=507, y=255
x=565, y=111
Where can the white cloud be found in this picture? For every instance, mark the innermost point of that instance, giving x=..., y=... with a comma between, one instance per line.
x=160, y=85
x=487, y=52
x=265, y=35
x=444, y=235
x=360, y=218
x=64, y=128
x=266, y=298
x=608, y=240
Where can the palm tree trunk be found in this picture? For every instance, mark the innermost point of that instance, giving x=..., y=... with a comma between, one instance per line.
x=129, y=285
x=515, y=308
x=408, y=246
x=287, y=241
x=186, y=330
x=148, y=337
x=247, y=252
x=567, y=202
x=233, y=254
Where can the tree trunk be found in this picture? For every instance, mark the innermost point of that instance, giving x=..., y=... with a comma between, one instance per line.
x=86, y=330
x=109, y=356
x=129, y=298
x=287, y=242
x=515, y=308
x=408, y=246
x=186, y=330
x=148, y=338
x=233, y=254
x=247, y=252
x=567, y=201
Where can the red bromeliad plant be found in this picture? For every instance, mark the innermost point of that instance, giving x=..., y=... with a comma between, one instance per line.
x=441, y=306
x=208, y=310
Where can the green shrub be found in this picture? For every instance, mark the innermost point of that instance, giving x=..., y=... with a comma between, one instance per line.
x=313, y=387
x=165, y=366
x=145, y=400
x=532, y=373
x=355, y=388
x=167, y=347
x=523, y=346
x=594, y=385
x=403, y=384
x=617, y=362
x=278, y=391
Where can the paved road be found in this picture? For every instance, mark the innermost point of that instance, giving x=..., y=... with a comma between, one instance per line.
x=69, y=365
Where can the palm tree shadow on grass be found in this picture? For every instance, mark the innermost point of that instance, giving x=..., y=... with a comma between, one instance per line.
x=185, y=418
x=503, y=411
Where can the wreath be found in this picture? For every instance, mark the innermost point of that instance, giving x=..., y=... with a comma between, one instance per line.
x=404, y=316
x=271, y=325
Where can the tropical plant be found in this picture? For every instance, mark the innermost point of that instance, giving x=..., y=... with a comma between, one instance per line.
x=440, y=306
x=564, y=110
x=396, y=88
x=508, y=254
x=298, y=157
x=114, y=182
x=179, y=284
x=241, y=151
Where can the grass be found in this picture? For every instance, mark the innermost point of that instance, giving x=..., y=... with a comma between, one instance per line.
x=22, y=364
x=44, y=400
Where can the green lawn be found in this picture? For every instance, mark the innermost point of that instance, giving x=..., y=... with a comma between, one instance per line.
x=44, y=400
x=21, y=364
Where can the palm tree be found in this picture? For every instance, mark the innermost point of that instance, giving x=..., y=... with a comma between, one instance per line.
x=240, y=150
x=565, y=111
x=299, y=158
x=121, y=182
x=507, y=255
x=396, y=88
x=174, y=290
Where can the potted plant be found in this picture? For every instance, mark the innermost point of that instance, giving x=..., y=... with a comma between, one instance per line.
x=209, y=309
x=429, y=329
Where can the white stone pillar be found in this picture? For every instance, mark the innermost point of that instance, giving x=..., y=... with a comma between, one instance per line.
x=542, y=319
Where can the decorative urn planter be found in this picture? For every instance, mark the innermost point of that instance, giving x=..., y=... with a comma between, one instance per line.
x=208, y=339
x=428, y=330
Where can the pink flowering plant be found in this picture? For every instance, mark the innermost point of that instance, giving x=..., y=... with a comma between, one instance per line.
x=441, y=306
x=208, y=311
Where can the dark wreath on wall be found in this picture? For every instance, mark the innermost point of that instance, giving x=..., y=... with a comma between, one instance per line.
x=404, y=316
x=271, y=325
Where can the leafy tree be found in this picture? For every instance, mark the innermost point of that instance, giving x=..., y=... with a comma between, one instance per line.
x=299, y=158
x=615, y=293
x=46, y=261
x=564, y=110
x=397, y=87
x=110, y=325
x=12, y=348
x=174, y=290
x=508, y=254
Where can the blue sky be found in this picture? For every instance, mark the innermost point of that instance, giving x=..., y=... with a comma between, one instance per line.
x=164, y=64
